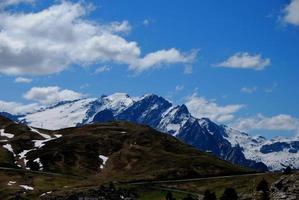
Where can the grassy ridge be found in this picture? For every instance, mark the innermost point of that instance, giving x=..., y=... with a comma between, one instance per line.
x=134, y=153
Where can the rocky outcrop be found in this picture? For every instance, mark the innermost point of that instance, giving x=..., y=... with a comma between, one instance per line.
x=287, y=187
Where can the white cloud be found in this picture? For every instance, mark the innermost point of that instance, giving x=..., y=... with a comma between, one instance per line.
x=23, y=80
x=279, y=122
x=200, y=107
x=244, y=60
x=102, y=69
x=147, y=22
x=272, y=88
x=50, y=40
x=119, y=27
x=6, y=3
x=17, y=108
x=249, y=90
x=51, y=95
x=162, y=57
x=188, y=69
x=179, y=88
x=291, y=13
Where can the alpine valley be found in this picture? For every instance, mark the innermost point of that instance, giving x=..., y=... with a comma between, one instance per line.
x=255, y=152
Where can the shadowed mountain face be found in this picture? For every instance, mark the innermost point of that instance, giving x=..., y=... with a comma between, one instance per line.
x=110, y=151
x=160, y=114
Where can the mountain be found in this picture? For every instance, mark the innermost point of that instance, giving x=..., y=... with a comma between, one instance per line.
x=176, y=120
x=119, y=151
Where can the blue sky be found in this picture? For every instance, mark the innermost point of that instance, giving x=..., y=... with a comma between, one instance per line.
x=233, y=61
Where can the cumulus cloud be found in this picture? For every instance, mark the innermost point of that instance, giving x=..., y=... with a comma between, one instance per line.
x=119, y=27
x=188, y=69
x=17, y=108
x=200, y=107
x=291, y=13
x=6, y=3
x=244, y=60
x=249, y=90
x=51, y=95
x=50, y=40
x=162, y=57
x=23, y=80
x=281, y=122
x=102, y=69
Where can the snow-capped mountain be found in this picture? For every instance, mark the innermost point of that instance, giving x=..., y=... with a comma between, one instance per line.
x=176, y=120
x=277, y=153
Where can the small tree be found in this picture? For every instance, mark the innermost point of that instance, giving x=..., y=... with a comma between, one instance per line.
x=229, y=194
x=287, y=170
x=209, y=195
x=111, y=186
x=262, y=186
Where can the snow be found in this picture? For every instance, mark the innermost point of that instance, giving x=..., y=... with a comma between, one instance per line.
x=10, y=183
x=57, y=135
x=9, y=148
x=251, y=148
x=39, y=163
x=71, y=114
x=117, y=102
x=104, y=159
x=26, y=187
x=40, y=143
x=22, y=155
x=62, y=116
x=169, y=122
x=8, y=135
x=43, y=194
x=37, y=144
x=42, y=134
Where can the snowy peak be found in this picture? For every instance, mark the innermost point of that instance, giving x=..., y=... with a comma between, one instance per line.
x=60, y=116
x=173, y=119
x=277, y=153
x=117, y=102
x=159, y=113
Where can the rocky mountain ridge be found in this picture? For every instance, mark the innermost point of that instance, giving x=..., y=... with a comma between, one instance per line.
x=159, y=113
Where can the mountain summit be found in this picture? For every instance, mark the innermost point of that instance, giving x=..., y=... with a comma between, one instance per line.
x=157, y=112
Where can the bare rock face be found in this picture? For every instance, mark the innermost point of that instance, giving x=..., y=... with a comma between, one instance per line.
x=287, y=187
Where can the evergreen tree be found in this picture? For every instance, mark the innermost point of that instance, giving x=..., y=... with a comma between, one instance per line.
x=229, y=194
x=287, y=170
x=209, y=195
x=263, y=186
x=265, y=196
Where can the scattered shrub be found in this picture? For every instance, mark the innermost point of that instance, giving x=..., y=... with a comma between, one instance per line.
x=229, y=194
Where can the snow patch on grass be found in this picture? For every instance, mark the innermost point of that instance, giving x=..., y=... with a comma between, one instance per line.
x=8, y=135
x=26, y=187
x=104, y=159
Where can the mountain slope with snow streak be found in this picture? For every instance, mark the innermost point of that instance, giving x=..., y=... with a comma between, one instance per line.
x=176, y=120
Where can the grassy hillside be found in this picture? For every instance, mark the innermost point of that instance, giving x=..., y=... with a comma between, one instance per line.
x=101, y=153
x=134, y=152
